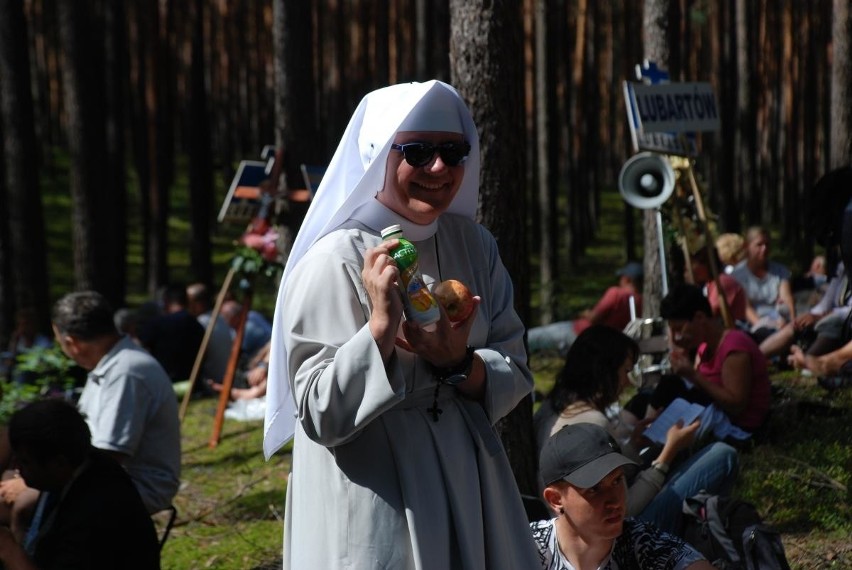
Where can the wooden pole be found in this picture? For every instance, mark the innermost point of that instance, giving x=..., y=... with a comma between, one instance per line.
x=199, y=358
x=710, y=244
x=228, y=380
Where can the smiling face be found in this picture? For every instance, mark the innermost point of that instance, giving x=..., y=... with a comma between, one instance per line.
x=421, y=194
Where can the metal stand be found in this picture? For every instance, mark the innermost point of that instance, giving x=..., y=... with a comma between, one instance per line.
x=662, y=247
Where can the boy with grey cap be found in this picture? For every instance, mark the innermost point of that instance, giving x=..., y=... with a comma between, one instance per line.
x=583, y=471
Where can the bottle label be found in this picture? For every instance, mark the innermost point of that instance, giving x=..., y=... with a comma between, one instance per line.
x=420, y=305
x=419, y=297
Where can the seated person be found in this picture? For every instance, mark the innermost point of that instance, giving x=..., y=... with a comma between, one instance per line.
x=258, y=329
x=218, y=351
x=834, y=363
x=731, y=250
x=767, y=286
x=593, y=377
x=175, y=336
x=129, y=321
x=830, y=223
x=808, y=288
x=584, y=475
x=702, y=276
x=252, y=383
x=819, y=329
x=728, y=370
x=91, y=514
x=612, y=310
x=128, y=400
x=25, y=337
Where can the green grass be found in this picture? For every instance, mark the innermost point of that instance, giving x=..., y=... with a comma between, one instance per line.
x=800, y=475
x=231, y=502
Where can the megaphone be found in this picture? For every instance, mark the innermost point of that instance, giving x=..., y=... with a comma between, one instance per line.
x=646, y=180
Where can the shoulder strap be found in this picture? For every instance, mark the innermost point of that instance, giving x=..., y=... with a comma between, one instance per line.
x=719, y=530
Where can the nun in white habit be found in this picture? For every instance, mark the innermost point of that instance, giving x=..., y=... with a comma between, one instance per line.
x=392, y=466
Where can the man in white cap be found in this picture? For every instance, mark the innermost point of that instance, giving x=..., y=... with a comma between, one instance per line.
x=395, y=460
x=583, y=471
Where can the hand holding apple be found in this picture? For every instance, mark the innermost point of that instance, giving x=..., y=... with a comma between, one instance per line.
x=456, y=299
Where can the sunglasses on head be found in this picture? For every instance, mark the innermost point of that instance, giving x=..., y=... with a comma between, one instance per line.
x=419, y=154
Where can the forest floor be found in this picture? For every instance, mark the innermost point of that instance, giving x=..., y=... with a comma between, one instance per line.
x=231, y=502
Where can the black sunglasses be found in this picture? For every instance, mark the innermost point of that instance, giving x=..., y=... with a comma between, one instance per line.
x=419, y=154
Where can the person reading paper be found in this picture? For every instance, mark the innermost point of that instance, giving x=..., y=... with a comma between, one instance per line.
x=729, y=370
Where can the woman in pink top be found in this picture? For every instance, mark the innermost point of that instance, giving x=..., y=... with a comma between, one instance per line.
x=729, y=367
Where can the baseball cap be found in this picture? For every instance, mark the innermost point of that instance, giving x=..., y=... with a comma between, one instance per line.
x=581, y=454
x=633, y=270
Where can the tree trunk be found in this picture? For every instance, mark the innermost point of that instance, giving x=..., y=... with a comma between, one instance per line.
x=632, y=45
x=7, y=307
x=744, y=144
x=656, y=49
x=200, y=165
x=82, y=77
x=296, y=126
x=486, y=63
x=23, y=261
x=156, y=205
x=578, y=193
x=841, y=86
x=116, y=65
x=147, y=132
x=543, y=108
x=722, y=180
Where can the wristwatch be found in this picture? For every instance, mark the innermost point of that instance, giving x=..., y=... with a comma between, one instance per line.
x=459, y=373
x=661, y=466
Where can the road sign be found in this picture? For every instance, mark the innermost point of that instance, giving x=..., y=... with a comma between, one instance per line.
x=674, y=107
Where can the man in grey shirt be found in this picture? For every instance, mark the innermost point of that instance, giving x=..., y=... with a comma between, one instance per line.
x=128, y=400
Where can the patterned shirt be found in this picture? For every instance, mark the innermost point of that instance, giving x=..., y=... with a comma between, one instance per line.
x=641, y=546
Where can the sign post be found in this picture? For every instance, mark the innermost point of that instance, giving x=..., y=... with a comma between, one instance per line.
x=664, y=117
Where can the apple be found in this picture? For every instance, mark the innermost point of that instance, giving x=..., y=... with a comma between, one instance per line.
x=456, y=299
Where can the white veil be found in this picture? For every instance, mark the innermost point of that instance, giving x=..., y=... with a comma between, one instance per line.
x=354, y=176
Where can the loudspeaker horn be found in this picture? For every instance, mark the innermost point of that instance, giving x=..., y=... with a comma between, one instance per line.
x=646, y=180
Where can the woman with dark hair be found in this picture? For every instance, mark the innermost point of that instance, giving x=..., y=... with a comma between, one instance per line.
x=595, y=373
x=590, y=379
x=723, y=366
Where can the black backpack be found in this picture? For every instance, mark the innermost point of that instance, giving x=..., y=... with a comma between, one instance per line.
x=731, y=534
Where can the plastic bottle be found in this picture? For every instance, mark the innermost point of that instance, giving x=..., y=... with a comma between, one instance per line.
x=420, y=306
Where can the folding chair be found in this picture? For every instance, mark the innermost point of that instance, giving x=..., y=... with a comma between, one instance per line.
x=170, y=522
x=312, y=176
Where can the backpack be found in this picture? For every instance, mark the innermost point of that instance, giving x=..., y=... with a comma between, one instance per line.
x=731, y=534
